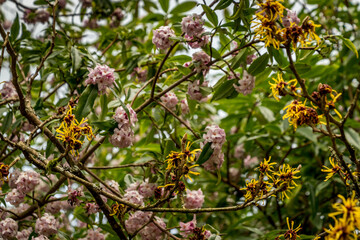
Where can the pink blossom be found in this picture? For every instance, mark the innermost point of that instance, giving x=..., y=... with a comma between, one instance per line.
x=94, y=235
x=250, y=58
x=215, y=135
x=7, y=24
x=247, y=83
x=122, y=138
x=134, y=197
x=53, y=207
x=102, y=76
x=290, y=18
x=41, y=237
x=27, y=181
x=250, y=162
x=8, y=228
x=197, y=41
x=195, y=92
x=13, y=178
x=201, y=59
x=192, y=25
x=73, y=195
x=215, y=161
x=62, y=3
x=24, y=234
x=91, y=208
x=42, y=15
x=86, y=3
x=146, y=189
x=122, y=118
x=161, y=37
x=186, y=229
x=239, y=151
x=140, y=73
x=194, y=199
x=8, y=90
x=46, y=225
x=136, y=220
x=152, y=232
x=170, y=100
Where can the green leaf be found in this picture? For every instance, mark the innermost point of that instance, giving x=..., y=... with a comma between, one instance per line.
x=129, y=179
x=108, y=125
x=353, y=137
x=76, y=58
x=183, y=7
x=223, y=4
x=211, y=15
x=238, y=59
x=350, y=45
x=308, y=133
x=224, y=90
x=7, y=122
x=86, y=102
x=164, y=5
x=104, y=107
x=259, y=65
x=206, y=153
x=267, y=113
x=15, y=28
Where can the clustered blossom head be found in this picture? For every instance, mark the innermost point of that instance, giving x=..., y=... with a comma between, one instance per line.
x=190, y=231
x=8, y=228
x=147, y=189
x=192, y=25
x=91, y=208
x=8, y=90
x=102, y=76
x=134, y=197
x=246, y=84
x=42, y=15
x=24, y=234
x=161, y=37
x=290, y=18
x=46, y=225
x=217, y=137
x=239, y=151
x=15, y=197
x=250, y=58
x=116, y=17
x=123, y=135
x=194, y=90
x=194, y=199
x=53, y=207
x=197, y=41
x=140, y=73
x=32, y=16
x=151, y=231
x=27, y=181
x=170, y=100
x=94, y=235
x=201, y=61
x=73, y=195
x=250, y=162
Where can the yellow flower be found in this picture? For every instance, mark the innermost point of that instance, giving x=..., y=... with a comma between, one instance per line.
x=291, y=234
x=268, y=32
x=278, y=88
x=271, y=10
x=298, y=114
x=266, y=167
x=349, y=209
x=342, y=230
x=309, y=28
x=117, y=209
x=190, y=155
x=250, y=189
x=287, y=174
x=331, y=171
x=173, y=160
x=187, y=171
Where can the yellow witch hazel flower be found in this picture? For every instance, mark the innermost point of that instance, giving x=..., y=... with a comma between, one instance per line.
x=265, y=167
x=332, y=171
x=291, y=234
x=279, y=87
x=70, y=131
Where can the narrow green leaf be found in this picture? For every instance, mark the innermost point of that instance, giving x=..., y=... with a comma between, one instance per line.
x=353, y=137
x=206, y=153
x=211, y=15
x=7, y=122
x=76, y=58
x=259, y=65
x=164, y=5
x=108, y=125
x=183, y=7
x=267, y=113
x=308, y=133
x=350, y=45
x=86, y=102
x=104, y=107
x=15, y=28
x=224, y=90
x=223, y=4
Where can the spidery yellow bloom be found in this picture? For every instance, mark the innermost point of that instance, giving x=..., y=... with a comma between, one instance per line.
x=190, y=155
x=309, y=27
x=348, y=208
x=341, y=230
x=117, y=209
x=71, y=131
x=331, y=171
x=265, y=167
x=271, y=10
x=291, y=234
x=278, y=88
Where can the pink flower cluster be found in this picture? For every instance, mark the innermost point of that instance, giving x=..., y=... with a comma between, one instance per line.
x=192, y=25
x=46, y=225
x=194, y=199
x=140, y=73
x=73, y=195
x=123, y=135
x=134, y=197
x=247, y=83
x=151, y=231
x=195, y=92
x=239, y=151
x=217, y=137
x=94, y=235
x=8, y=90
x=116, y=17
x=189, y=228
x=250, y=58
x=170, y=100
x=161, y=37
x=24, y=234
x=91, y=208
x=22, y=183
x=290, y=18
x=8, y=228
x=145, y=188
x=200, y=60
x=102, y=76
x=40, y=15
x=41, y=237
x=250, y=162
x=53, y=207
